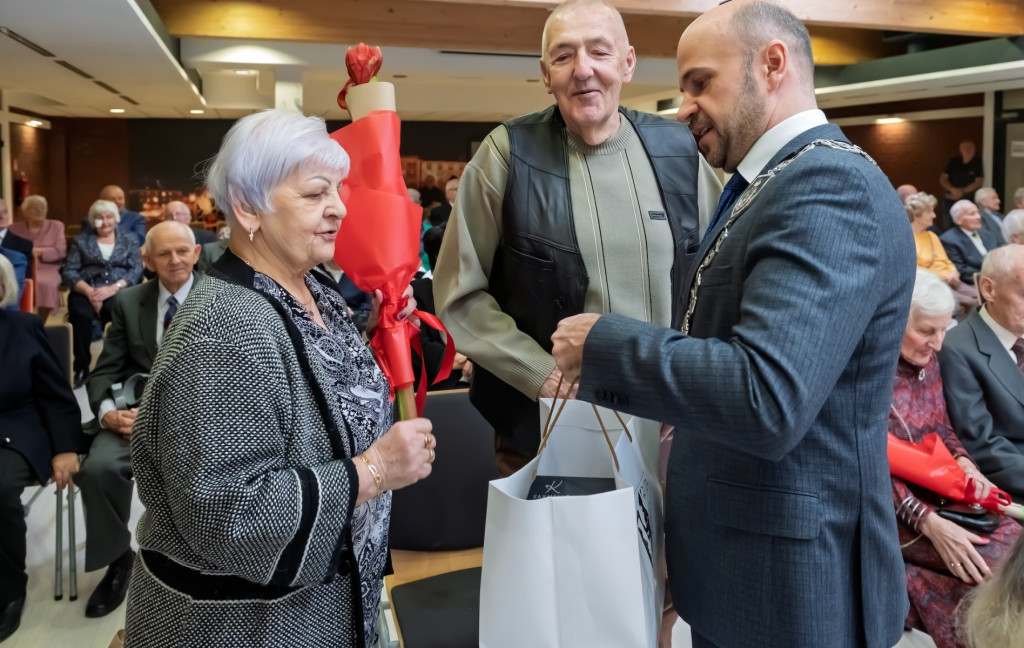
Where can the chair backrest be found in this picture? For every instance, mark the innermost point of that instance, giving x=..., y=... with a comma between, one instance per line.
x=60, y=340
x=448, y=509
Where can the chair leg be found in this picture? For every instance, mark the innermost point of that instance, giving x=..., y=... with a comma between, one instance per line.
x=58, y=554
x=72, y=547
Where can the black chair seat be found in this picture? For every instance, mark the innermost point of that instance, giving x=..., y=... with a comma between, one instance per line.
x=441, y=611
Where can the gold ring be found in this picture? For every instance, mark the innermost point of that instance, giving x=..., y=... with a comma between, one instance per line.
x=426, y=440
x=432, y=455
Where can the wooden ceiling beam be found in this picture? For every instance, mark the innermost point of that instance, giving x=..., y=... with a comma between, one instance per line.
x=959, y=17
x=449, y=25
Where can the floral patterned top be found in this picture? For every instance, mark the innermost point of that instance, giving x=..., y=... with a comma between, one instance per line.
x=362, y=393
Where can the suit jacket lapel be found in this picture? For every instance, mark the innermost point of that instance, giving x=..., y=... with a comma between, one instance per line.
x=999, y=363
x=147, y=318
x=825, y=131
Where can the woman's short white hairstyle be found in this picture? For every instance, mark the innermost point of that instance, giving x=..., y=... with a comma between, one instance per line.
x=8, y=283
x=33, y=201
x=101, y=207
x=932, y=297
x=1013, y=224
x=261, y=151
x=919, y=203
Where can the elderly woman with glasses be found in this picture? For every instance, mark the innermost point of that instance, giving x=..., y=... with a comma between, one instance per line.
x=943, y=560
x=100, y=262
x=264, y=449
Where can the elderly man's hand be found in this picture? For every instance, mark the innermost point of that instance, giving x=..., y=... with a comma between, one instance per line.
x=568, y=344
x=120, y=421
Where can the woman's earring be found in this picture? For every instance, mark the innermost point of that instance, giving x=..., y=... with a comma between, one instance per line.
x=250, y=233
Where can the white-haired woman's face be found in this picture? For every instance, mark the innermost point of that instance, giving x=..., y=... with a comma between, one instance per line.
x=926, y=218
x=35, y=214
x=306, y=213
x=105, y=222
x=923, y=337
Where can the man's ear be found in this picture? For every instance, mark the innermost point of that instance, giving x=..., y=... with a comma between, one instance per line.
x=630, y=65
x=146, y=262
x=775, y=59
x=545, y=75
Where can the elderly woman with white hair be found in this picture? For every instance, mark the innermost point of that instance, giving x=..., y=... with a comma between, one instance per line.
x=49, y=248
x=931, y=255
x=943, y=560
x=264, y=449
x=100, y=263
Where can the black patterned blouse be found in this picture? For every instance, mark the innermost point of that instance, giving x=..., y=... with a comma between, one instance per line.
x=362, y=393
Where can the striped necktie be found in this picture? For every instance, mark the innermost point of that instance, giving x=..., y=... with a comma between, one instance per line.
x=172, y=308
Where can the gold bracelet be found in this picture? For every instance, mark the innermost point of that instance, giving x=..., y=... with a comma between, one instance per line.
x=378, y=480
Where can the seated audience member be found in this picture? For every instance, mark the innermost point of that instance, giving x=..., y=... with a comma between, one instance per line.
x=14, y=243
x=48, y=246
x=904, y=191
x=994, y=610
x=40, y=438
x=1013, y=227
x=212, y=251
x=129, y=222
x=19, y=265
x=179, y=211
x=358, y=302
x=138, y=319
x=943, y=560
x=99, y=264
x=966, y=243
x=988, y=204
x=430, y=194
x=983, y=372
x=439, y=215
x=1018, y=198
x=930, y=253
x=431, y=340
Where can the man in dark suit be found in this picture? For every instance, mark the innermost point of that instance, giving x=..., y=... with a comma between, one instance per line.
x=139, y=318
x=779, y=525
x=982, y=364
x=178, y=211
x=966, y=243
x=439, y=215
x=11, y=241
x=987, y=200
x=131, y=222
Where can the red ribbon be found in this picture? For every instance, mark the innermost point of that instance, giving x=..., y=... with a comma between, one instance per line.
x=393, y=338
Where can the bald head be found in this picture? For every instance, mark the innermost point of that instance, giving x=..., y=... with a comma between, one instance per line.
x=564, y=13
x=114, y=194
x=1001, y=283
x=177, y=211
x=905, y=191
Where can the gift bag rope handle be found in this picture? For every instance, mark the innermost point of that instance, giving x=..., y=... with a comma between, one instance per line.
x=549, y=424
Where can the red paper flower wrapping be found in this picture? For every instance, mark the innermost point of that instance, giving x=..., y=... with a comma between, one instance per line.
x=930, y=464
x=378, y=243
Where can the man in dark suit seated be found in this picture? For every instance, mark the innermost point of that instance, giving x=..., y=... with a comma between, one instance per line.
x=139, y=317
x=987, y=200
x=179, y=211
x=779, y=524
x=966, y=243
x=131, y=222
x=982, y=364
x=11, y=241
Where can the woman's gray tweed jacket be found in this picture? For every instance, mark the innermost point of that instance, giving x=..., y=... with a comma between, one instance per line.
x=240, y=461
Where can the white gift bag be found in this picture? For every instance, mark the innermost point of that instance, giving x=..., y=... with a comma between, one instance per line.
x=567, y=571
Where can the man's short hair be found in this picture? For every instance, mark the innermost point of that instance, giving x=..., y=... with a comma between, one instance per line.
x=959, y=207
x=570, y=5
x=999, y=263
x=1013, y=224
x=756, y=23
x=149, y=235
x=983, y=194
x=1018, y=196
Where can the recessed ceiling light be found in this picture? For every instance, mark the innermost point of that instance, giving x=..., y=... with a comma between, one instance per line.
x=35, y=122
x=245, y=72
x=196, y=111
x=117, y=111
x=889, y=120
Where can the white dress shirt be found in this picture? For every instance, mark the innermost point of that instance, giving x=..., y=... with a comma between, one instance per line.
x=1006, y=338
x=976, y=239
x=765, y=148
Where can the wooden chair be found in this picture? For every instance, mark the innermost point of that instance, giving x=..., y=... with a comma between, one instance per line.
x=437, y=531
x=27, y=302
